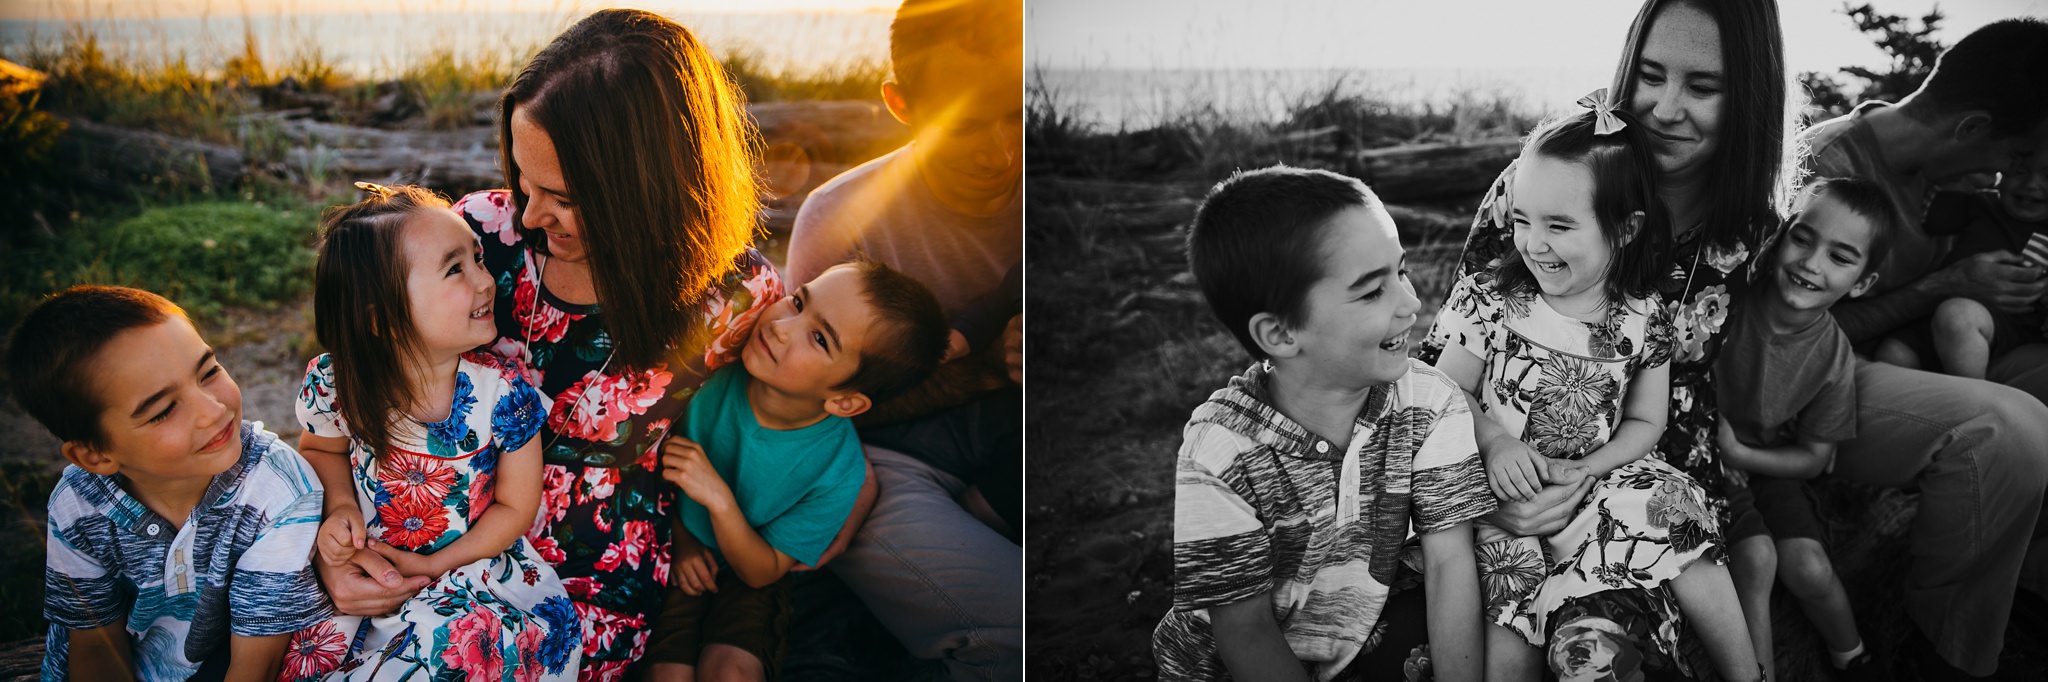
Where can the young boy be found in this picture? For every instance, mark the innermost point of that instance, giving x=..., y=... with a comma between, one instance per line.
x=1786, y=378
x=771, y=464
x=180, y=537
x=1297, y=484
x=1964, y=334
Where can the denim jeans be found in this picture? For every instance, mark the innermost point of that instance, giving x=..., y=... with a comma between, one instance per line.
x=1979, y=453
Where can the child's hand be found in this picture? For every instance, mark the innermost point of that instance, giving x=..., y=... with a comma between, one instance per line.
x=696, y=568
x=1514, y=471
x=684, y=464
x=341, y=535
x=409, y=564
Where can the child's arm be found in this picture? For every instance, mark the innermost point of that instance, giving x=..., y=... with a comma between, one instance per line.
x=102, y=653
x=341, y=534
x=757, y=563
x=1249, y=642
x=255, y=659
x=1642, y=422
x=513, y=504
x=1513, y=471
x=1800, y=459
x=1456, y=635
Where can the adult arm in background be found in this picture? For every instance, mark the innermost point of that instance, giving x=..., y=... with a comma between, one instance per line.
x=2001, y=280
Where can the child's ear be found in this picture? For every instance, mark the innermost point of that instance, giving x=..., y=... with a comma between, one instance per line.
x=89, y=458
x=1973, y=123
x=1863, y=285
x=892, y=97
x=848, y=405
x=1273, y=336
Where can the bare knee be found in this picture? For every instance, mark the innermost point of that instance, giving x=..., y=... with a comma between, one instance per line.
x=1754, y=564
x=670, y=672
x=1897, y=353
x=728, y=663
x=1803, y=565
x=1962, y=318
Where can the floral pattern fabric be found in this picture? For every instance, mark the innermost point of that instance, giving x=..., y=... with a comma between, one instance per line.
x=1696, y=301
x=1559, y=385
x=503, y=617
x=604, y=506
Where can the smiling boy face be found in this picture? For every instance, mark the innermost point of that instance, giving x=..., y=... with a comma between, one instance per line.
x=1356, y=319
x=1825, y=255
x=2023, y=189
x=170, y=411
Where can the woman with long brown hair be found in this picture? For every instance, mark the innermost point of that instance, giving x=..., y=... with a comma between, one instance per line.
x=624, y=272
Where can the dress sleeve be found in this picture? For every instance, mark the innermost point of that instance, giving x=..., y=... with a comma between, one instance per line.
x=1658, y=333
x=1489, y=239
x=520, y=412
x=1468, y=313
x=730, y=312
x=316, y=400
x=273, y=590
x=1450, y=485
x=80, y=589
x=1222, y=551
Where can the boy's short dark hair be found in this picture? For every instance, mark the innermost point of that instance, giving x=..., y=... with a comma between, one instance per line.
x=1998, y=68
x=1255, y=245
x=905, y=341
x=50, y=358
x=981, y=27
x=1868, y=199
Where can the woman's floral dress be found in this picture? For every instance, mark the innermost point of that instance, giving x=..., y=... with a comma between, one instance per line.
x=1632, y=629
x=503, y=617
x=605, y=508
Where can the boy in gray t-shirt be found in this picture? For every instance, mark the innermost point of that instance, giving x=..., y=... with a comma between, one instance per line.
x=1786, y=380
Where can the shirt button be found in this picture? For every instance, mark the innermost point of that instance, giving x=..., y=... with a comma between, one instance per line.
x=1322, y=446
x=153, y=529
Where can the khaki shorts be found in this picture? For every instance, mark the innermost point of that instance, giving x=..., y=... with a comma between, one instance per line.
x=755, y=620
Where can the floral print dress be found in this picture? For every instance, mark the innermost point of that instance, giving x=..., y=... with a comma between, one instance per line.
x=1624, y=630
x=1559, y=384
x=502, y=617
x=605, y=509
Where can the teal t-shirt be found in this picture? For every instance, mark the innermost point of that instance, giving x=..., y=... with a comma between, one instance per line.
x=795, y=487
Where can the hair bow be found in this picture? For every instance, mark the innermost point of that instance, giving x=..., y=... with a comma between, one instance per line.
x=1604, y=120
x=375, y=188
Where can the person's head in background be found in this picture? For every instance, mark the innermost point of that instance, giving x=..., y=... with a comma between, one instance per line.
x=1986, y=99
x=957, y=79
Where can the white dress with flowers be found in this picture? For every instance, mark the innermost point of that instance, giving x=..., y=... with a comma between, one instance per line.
x=1559, y=384
x=504, y=617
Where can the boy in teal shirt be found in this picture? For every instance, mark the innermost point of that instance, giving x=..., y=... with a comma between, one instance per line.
x=771, y=464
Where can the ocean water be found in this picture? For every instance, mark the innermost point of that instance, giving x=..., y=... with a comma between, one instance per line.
x=1142, y=98
x=383, y=45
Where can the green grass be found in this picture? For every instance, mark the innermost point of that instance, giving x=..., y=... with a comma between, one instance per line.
x=206, y=256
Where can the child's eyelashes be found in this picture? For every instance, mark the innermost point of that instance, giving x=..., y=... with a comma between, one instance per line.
x=819, y=338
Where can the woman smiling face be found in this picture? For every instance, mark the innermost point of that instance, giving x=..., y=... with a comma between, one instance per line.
x=1680, y=88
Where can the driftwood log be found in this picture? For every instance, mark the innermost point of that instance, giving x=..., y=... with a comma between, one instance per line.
x=806, y=143
x=1432, y=172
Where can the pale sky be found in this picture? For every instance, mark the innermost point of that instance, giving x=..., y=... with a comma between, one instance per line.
x=1399, y=34
x=165, y=9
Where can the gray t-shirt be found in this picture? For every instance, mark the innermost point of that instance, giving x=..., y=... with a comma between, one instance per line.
x=882, y=209
x=1779, y=388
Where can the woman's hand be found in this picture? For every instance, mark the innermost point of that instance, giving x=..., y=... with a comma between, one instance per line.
x=366, y=584
x=341, y=535
x=1550, y=509
x=2001, y=280
x=409, y=564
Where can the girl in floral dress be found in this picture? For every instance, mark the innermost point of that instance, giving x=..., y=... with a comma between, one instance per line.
x=428, y=455
x=1565, y=348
